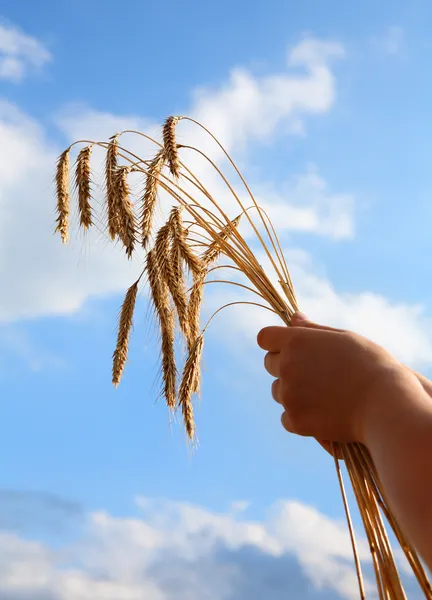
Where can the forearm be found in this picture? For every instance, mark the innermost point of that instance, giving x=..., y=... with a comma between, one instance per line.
x=399, y=438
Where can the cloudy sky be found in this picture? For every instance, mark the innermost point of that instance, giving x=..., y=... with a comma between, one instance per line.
x=325, y=108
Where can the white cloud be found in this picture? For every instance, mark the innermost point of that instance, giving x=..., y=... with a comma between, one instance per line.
x=307, y=205
x=391, y=42
x=248, y=108
x=20, y=53
x=315, y=52
x=403, y=329
x=40, y=277
x=182, y=551
x=239, y=506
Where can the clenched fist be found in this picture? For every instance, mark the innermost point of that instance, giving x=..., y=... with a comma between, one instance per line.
x=330, y=382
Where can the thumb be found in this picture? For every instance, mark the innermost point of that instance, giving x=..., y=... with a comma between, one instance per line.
x=299, y=319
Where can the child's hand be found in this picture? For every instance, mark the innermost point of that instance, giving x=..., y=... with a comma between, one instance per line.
x=330, y=382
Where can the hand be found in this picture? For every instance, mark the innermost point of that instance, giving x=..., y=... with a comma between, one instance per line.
x=329, y=381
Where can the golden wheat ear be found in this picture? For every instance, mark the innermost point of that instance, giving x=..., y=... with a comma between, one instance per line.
x=150, y=197
x=63, y=197
x=190, y=384
x=110, y=184
x=161, y=302
x=125, y=212
x=176, y=276
x=83, y=185
x=170, y=145
x=124, y=329
x=196, y=295
x=215, y=249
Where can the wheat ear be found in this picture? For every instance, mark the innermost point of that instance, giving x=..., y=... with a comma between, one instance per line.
x=165, y=314
x=150, y=197
x=125, y=213
x=63, y=197
x=83, y=184
x=190, y=384
x=214, y=249
x=177, y=281
x=124, y=329
x=111, y=191
x=169, y=261
x=170, y=145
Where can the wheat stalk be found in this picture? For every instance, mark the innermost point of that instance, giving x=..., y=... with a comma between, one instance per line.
x=83, y=184
x=63, y=198
x=124, y=329
x=173, y=257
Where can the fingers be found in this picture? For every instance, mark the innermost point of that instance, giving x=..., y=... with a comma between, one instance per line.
x=300, y=320
x=272, y=363
x=275, y=390
x=332, y=449
x=285, y=420
x=427, y=385
x=272, y=338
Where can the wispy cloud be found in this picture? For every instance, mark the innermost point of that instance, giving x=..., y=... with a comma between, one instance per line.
x=17, y=346
x=20, y=53
x=390, y=42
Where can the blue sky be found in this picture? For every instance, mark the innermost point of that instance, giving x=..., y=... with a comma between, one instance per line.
x=339, y=157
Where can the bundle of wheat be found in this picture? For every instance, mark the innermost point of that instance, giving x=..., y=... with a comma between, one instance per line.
x=183, y=252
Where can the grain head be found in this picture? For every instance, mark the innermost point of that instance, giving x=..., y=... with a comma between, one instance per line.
x=215, y=248
x=190, y=384
x=63, y=197
x=124, y=329
x=150, y=197
x=176, y=278
x=111, y=191
x=170, y=145
x=160, y=298
x=83, y=184
x=125, y=210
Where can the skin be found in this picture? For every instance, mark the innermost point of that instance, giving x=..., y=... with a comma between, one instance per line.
x=337, y=386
